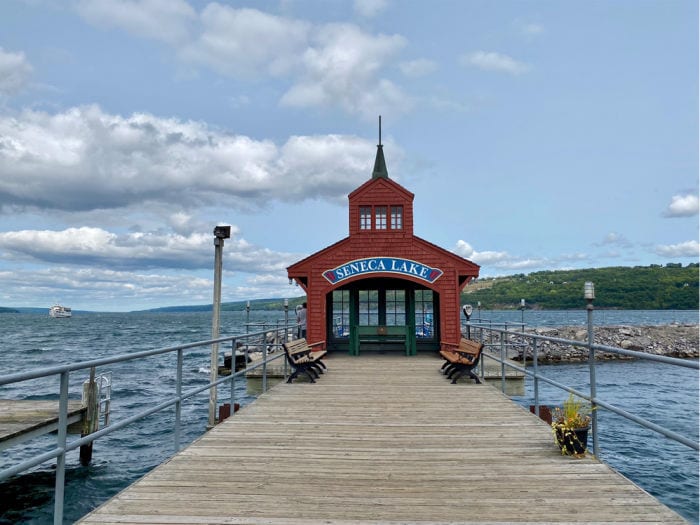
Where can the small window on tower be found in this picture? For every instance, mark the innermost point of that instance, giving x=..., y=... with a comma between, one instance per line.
x=365, y=218
x=397, y=217
x=380, y=218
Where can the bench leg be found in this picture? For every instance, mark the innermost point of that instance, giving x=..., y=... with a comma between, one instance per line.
x=308, y=371
x=293, y=375
x=455, y=369
x=474, y=376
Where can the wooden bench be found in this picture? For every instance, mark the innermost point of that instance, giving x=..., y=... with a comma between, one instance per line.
x=303, y=358
x=382, y=334
x=462, y=360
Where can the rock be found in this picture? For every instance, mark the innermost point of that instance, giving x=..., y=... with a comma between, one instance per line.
x=670, y=340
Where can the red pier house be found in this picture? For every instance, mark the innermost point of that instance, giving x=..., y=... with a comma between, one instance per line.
x=382, y=288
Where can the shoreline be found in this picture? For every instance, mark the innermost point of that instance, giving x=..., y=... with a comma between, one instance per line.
x=673, y=340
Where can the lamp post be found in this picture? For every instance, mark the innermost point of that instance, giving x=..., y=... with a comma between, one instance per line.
x=220, y=233
x=467, y=309
x=589, y=295
x=522, y=314
x=478, y=306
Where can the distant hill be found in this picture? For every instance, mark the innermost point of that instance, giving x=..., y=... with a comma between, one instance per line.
x=654, y=287
x=276, y=304
x=4, y=310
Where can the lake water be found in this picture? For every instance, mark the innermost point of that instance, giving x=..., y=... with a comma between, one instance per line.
x=665, y=395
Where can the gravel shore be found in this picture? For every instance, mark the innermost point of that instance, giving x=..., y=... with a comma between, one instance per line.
x=680, y=341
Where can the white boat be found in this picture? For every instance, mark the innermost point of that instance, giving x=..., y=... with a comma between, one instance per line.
x=60, y=311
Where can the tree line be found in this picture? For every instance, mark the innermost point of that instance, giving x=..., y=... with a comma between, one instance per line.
x=654, y=287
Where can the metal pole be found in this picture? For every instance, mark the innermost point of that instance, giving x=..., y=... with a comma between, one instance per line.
x=286, y=320
x=504, y=338
x=537, y=380
x=178, y=404
x=233, y=377
x=216, y=308
x=59, y=491
x=591, y=366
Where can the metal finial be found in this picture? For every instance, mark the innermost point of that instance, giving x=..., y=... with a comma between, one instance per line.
x=380, y=130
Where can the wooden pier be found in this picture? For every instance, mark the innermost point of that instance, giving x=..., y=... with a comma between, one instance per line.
x=21, y=420
x=380, y=439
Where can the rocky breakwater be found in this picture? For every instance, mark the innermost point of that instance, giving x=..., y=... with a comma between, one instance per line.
x=674, y=340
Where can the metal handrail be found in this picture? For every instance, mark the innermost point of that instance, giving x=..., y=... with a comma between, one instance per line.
x=591, y=397
x=63, y=371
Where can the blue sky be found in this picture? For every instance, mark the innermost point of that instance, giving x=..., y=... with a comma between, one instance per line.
x=536, y=135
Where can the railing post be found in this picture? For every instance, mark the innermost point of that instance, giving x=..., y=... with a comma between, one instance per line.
x=178, y=403
x=233, y=377
x=504, y=337
x=59, y=491
x=536, y=382
x=591, y=366
x=264, y=367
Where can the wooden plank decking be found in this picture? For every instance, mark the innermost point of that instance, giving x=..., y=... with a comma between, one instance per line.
x=21, y=420
x=380, y=439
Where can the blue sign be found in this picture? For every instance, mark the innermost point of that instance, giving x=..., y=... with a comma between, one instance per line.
x=382, y=265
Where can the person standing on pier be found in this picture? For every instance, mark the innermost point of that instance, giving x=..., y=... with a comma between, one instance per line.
x=301, y=320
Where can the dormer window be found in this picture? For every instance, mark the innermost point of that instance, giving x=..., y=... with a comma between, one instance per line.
x=397, y=217
x=365, y=217
x=380, y=218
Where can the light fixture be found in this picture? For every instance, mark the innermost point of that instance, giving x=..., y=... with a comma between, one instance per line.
x=588, y=291
x=222, y=232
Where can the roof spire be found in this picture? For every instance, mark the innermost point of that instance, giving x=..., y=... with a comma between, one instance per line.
x=380, y=171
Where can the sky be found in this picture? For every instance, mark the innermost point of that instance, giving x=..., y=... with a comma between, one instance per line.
x=535, y=135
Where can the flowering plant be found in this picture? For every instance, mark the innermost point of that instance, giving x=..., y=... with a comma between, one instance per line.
x=570, y=426
x=572, y=414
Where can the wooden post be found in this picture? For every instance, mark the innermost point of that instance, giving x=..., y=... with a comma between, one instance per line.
x=92, y=416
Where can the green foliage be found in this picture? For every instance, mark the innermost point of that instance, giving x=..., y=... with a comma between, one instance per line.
x=572, y=414
x=654, y=287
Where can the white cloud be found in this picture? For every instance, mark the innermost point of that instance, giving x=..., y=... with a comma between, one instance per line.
x=370, y=8
x=85, y=159
x=683, y=249
x=418, y=68
x=15, y=71
x=614, y=239
x=99, y=248
x=683, y=206
x=96, y=288
x=169, y=21
x=492, y=61
x=343, y=67
x=491, y=259
x=247, y=42
x=532, y=29
x=332, y=65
